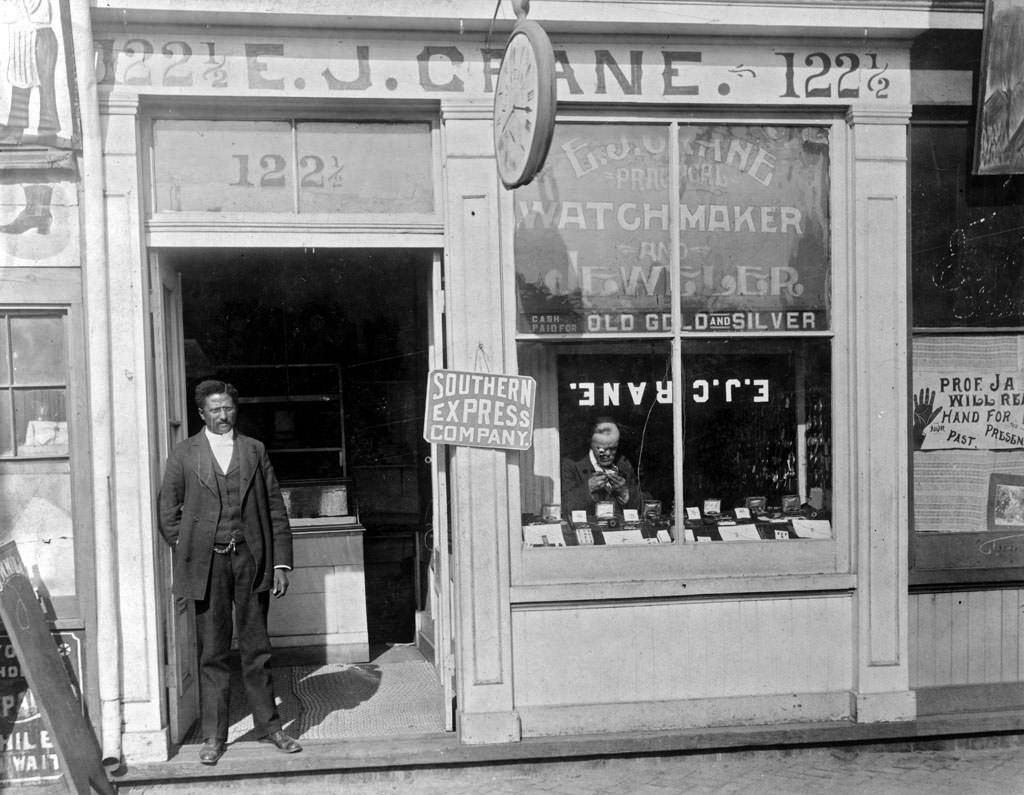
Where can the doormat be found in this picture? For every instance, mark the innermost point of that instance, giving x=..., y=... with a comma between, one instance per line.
x=398, y=694
x=375, y=699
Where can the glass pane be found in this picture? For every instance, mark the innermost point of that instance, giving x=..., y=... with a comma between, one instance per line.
x=365, y=168
x=754, y=227
x=593, y=231
x=6, y=440
x=600, y=469
x=223, y=166
x=40, y=422
x=757, y=436
x=968, y=265
x=5, y=352
x=36, y=513
x=38, y=349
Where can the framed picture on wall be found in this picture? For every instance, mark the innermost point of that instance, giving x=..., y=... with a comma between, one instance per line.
x=1005, y=502
x=999, y=144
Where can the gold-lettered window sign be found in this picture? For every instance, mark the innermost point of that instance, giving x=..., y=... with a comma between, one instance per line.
x=229, y=166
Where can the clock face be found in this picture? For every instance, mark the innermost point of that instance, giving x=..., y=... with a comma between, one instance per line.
x=524, y=105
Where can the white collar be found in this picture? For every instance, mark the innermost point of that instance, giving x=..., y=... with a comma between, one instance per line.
x=220, y=439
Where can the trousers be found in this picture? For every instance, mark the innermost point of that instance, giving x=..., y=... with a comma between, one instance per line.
x=231, y=602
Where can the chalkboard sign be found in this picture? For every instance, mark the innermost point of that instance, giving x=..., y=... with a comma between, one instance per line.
x=72, y=746
x=28, y=753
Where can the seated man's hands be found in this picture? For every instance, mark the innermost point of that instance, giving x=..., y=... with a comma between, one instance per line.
x=617, y=483
x=609, y=479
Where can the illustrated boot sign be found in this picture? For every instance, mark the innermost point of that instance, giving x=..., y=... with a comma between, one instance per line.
x=36, y=214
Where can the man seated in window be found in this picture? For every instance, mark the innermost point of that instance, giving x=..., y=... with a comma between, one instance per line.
x=602, y=475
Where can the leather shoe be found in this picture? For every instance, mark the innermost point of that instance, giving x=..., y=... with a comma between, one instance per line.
x=211, y=751
x=282, y=742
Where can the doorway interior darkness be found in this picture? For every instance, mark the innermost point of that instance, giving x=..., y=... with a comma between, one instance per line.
x=343, y=335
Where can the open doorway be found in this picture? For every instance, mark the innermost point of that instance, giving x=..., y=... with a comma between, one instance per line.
x=330, y=350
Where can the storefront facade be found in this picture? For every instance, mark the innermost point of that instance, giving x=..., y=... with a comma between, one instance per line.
x=717, y=257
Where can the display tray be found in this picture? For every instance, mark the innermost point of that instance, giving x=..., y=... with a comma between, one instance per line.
x=597, y=533
x=759, y=529
x=322, y=521
x=317, y=499
x=539, y=534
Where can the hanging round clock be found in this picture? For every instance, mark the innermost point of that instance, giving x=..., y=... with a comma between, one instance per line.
x=524, y=104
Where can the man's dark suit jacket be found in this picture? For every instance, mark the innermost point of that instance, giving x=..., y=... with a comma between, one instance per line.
x=576, y=493
x=190, y=508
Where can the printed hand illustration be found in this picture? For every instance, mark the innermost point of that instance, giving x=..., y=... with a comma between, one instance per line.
x=923, y=414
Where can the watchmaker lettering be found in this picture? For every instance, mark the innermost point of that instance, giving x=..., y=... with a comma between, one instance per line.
x=479, y=409
x=637, y=216
x=746, y=234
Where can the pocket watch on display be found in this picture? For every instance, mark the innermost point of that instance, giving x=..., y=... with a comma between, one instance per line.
x=524, y=104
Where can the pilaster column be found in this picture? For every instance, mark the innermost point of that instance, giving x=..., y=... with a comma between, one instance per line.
x=878, y=415
x=145, y=731
x=474, y=284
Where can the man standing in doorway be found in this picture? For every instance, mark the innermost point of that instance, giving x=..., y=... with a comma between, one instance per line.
x=222, y=511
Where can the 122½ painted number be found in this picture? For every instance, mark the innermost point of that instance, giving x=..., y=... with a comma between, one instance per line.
x=271, y=172
x=840, y=74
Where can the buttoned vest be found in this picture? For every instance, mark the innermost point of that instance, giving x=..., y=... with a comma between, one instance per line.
x=230, y=485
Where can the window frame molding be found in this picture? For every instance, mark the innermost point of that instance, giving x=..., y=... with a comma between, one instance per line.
x=683, y=569
x=190, y=229
x=59, y=290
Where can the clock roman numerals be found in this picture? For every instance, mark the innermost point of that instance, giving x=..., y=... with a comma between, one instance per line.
x=524, y=104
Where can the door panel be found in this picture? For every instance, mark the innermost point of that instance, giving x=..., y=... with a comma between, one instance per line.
x=179, y=614
x=440, y=558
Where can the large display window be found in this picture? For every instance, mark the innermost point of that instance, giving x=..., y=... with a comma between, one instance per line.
x=673, y=286
x=968, y=315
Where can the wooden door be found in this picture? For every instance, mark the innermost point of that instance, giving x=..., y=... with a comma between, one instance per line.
x=441, y=586
x=182, y=672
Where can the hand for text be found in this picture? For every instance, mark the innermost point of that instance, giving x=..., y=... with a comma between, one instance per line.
x=923, y=414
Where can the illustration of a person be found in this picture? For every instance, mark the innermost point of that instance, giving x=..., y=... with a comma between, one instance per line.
x=32, y=51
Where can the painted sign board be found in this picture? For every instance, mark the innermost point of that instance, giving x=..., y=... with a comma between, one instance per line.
x=968, y=410
x=362, y=67
x=999, y=145
x=489, y=410
x=29, y=756
x=71, y=746
x=35, y=87
x=594, y=231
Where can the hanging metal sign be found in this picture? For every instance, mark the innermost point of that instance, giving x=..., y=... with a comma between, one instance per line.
x=480, y=409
